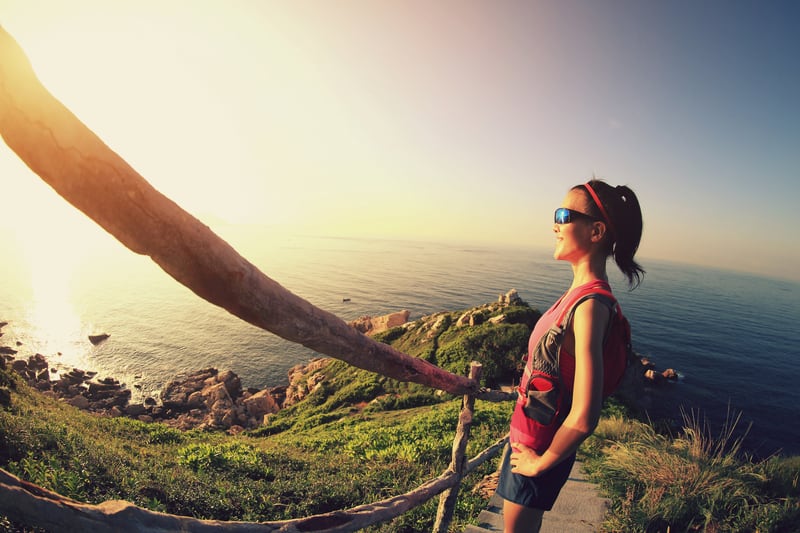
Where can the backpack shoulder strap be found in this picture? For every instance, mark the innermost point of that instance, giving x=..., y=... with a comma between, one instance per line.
x=599, y=291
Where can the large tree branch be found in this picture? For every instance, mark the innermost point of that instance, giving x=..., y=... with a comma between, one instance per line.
x=68, y=156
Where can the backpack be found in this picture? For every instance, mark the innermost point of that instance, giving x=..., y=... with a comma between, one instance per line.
x=544, y=398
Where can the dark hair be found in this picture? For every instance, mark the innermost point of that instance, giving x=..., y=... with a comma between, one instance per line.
x=624, y=229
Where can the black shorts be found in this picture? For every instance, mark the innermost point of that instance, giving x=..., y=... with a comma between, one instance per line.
x=539, y=492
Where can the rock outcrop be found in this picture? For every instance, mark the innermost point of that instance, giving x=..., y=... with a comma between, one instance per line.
x=478, y=315
x=510, y=298
x=209, y=399
x=371, y=325
x=305, y=379
x=640, y=379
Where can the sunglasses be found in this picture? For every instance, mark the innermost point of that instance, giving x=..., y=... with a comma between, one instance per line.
x=565, y=216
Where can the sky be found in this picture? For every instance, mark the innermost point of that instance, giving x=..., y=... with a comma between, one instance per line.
x=459, y=121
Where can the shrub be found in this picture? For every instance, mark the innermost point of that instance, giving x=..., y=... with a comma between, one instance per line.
x=499, y=348
x=151, y=433
x=520, y=314
x=231, y=457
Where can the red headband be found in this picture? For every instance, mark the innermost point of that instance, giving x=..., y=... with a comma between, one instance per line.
x=603, y=212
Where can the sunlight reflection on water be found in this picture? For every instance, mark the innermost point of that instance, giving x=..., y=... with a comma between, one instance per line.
x=49, y=321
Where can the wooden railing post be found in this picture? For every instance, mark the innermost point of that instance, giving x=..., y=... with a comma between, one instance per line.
x=448, y=498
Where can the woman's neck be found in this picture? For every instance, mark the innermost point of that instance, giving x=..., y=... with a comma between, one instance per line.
x=588, y=271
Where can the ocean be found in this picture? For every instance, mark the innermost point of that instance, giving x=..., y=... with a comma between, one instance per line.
x=732, y=337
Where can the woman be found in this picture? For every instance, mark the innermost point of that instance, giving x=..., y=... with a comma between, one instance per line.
x=595, y=221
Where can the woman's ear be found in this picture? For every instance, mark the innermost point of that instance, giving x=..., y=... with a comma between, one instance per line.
x=598, y=231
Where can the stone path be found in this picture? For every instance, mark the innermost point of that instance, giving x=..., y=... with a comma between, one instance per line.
x=579, y=509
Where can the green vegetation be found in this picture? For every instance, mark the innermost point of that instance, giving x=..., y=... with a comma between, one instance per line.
x=360, y=437
x=691, y=482
x=355, y=457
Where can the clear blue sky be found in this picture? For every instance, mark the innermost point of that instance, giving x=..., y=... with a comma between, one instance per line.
x=456, y=120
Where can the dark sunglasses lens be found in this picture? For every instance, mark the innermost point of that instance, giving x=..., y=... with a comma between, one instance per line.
x=562, y=215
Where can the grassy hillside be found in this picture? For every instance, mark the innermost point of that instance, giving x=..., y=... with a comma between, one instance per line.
x=346, y=457
x=359, y=437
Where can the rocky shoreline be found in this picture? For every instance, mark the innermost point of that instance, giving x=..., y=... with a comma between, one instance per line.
x=204, y=399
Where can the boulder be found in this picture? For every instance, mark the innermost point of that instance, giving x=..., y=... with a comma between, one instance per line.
x=232, y=383
x=76, y=375
x=97, y=339
x=260, y=404
x=303, y=379
x=371, y=325
x=135, y=409
x=509, y=298
x=37, y=362
x=217, y=394
x=81, y=402
x=176, y=392
x=670, y=374
x=102, y=389
x=195, y=400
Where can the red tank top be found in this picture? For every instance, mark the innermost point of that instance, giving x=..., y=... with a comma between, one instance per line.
x=519, y=422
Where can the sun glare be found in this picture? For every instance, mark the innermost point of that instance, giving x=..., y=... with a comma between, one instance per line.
x=52, y=314
x=52, y=246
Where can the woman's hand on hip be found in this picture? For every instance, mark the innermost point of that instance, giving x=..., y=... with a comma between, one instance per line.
x=524, y=460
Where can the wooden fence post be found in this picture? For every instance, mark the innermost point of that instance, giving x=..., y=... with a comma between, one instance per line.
x=448, y=498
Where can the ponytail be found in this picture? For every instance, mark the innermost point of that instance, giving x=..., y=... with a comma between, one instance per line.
x=620, y=208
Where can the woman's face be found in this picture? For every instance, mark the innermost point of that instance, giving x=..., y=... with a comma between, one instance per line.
x=573, y=240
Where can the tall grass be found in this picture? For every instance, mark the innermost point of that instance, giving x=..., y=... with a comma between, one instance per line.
x=691, y=482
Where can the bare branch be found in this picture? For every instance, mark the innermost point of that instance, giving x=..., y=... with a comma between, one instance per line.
x=68, y=156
